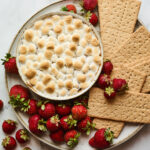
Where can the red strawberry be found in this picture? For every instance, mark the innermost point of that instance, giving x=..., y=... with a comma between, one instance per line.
x=71, y=138
x=107, y=67
x=9, y=143
x=92, y=18
x=53, y=123
x=104, y=81
x=109, y=92
x=70, y=8
x=27, y=148
x=57, y=136
x=19, y=90
x=47, y=110
x=10, y=64
x=89, y=4
x=1, y=104
x=103, y=138
x=9, y=126
x=92, y=143
x=22, y=136
x=79, y=112
x=120, y=85
x=67, y=122
x=85, y=125
x=63, y=109
x=30, y=107
x=37, y=124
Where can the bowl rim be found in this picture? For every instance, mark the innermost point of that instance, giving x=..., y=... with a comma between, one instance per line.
x=29, y=24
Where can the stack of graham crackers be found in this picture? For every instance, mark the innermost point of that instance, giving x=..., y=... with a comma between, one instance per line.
x=129, y=52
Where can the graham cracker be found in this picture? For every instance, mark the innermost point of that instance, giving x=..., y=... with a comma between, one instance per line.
x=123, y=15
x=136, y=48
x=134, y=78
x=146, y=86
x=145, y=68
x=119, y=14
x=111, y=39
x=104, y=7
x=128, y=107
x=113, y=32
x=115, y=126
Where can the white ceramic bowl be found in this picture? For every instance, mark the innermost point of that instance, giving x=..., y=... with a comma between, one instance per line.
x=98, y=71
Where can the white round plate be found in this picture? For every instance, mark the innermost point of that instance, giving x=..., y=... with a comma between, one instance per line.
x=129, y=130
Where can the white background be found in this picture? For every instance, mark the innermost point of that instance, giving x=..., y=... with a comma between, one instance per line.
x=13, y=14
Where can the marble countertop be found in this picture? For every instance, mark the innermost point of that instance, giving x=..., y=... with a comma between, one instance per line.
x=13, y=14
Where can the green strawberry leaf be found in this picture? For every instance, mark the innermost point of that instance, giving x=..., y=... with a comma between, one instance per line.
x=71, y=122
x=42, y=125
x=64, y=9
x=73, y=141
x=6, y=141
x=88, y=15
x=16, y=102
x=109, y=135
x=6, y=59
x=43, y=107
x=39, y=103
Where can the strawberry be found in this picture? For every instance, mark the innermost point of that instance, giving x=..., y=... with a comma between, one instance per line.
x=9, y=126
x=120, y=85
x=47, y=110
x=85, y=125
x=107, y=67
x=71, y=138
x=53, y=123
x=92, y=18
x=70, y=8
x=22, y=136
x=103, y=138
x=19, y=90
x=30, y=107
x=109, y=92
x=92, y=143
x=10, y=64
x=89, y=4
x=9, y=143
x=1, y=104
x=27, y=148
x=82, y=100
x=57, y=136
x=79, y=112
x=104, y=81
x=37, y=124
x=63, y=109
x=67, y=122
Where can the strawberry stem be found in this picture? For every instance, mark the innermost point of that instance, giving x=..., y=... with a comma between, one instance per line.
x=6, y=59
x=41, y=125
x=73, y=141
x=109, y=135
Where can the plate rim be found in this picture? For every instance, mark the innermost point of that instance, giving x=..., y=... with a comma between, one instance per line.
x=24, y=124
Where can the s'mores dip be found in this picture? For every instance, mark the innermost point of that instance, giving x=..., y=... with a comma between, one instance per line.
x=59, y=56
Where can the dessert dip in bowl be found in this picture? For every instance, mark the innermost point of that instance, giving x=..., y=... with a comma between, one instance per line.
x=59, y=56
